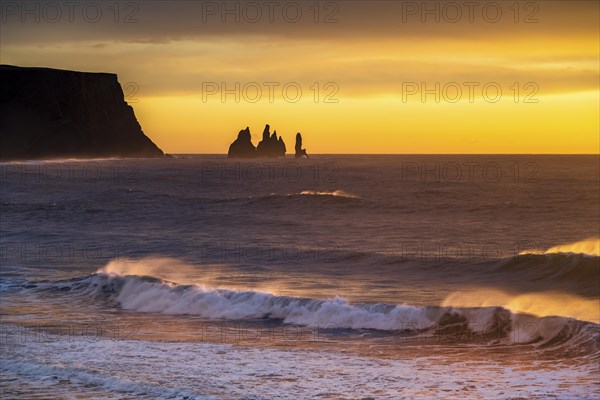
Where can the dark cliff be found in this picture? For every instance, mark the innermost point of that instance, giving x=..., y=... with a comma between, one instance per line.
x=51, y=113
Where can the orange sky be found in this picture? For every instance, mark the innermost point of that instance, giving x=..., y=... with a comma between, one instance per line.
x=375, y=76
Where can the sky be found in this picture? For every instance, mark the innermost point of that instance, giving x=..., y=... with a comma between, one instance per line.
x=353, y=76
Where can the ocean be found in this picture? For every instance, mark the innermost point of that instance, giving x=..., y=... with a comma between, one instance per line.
x=333, y=277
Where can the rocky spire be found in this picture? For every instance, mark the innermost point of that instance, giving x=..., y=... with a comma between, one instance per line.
x=300, y=152
x=270, y=146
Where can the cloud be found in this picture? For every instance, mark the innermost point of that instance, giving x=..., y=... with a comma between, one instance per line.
x=168, y=21
x=368, y=48
x=359, y=68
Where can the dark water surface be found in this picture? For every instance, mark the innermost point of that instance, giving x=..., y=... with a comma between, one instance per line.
x=330, y=277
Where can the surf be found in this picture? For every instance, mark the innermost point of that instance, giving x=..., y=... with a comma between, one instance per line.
x=495, y=321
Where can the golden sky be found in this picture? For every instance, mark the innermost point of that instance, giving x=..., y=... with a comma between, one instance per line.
x=375, y=76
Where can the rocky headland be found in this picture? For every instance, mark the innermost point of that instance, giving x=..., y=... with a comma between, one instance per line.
x=51, y=113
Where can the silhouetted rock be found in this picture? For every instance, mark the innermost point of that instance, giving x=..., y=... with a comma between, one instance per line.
x=281, y=146
x=242, y=147
x=300, y=152
x=52, y=113
x=270, y=145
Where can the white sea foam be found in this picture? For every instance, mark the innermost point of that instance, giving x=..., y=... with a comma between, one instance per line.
x=200, y=370
x=336, y=193
x=98, y=381
x=166, y=298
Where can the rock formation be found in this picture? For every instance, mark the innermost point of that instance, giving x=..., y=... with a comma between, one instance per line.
x=281, y=147
x=242, y=147
x=51, y=113
x=300, y=152
x=270, y=145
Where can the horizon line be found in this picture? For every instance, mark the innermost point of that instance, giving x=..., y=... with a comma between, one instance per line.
x=412, y=154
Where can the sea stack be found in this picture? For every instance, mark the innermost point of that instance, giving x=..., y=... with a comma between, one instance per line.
x=300, y=152
x=53, y=113
x=242, y=147
x=270, y=146
x=281, y=147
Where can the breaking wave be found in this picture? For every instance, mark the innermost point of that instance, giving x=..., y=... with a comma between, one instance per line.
x=152, y=295
x=589, y=247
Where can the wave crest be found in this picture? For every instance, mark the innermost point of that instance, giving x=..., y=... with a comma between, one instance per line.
x=590, y=247
x=335, y=193
x=153, y=295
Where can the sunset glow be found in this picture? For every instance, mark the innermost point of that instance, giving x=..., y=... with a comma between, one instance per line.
x=379, y=77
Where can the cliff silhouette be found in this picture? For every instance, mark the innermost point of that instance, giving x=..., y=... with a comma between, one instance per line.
x=53, y=113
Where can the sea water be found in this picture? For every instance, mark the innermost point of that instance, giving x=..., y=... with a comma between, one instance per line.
x=341, y=277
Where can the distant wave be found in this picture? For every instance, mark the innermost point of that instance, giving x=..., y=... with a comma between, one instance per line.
x=303, y=194
x=300, y=198
x=578, y=272
x=335, y=193
x=557, y=267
